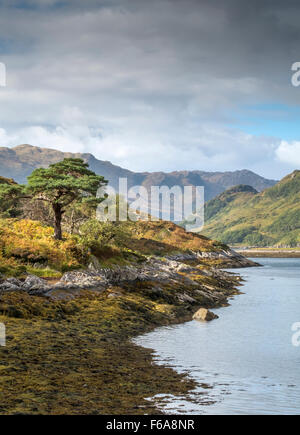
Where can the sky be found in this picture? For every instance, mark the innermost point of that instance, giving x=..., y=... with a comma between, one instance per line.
x=158, y=85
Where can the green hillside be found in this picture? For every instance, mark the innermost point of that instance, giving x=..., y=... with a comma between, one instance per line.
x=242, y=216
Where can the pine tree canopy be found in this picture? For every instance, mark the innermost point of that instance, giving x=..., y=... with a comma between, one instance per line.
x=64, y=182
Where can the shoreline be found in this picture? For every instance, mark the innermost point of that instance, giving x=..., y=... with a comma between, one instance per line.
x=106, y=373
x=268, y=252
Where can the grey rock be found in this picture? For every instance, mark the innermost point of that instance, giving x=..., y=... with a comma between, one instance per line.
x=211, y=298
x=204, y=315
x=230, y=258
x=114, y=295
x=80, y=279
x=14, y=281
x=186, y=298
x=35, y=285
x=8, y=287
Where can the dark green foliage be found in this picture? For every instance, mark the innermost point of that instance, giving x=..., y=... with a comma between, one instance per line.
x=95, y=234
x=258, y=239
x=10, y=193
x=288, y=221
x=65, y=183
x=249, y=236
x=238, y=236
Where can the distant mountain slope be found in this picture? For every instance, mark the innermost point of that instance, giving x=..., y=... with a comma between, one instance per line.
x=213, y=182
x=244, y=217
x=4, y=180
x=19, y=162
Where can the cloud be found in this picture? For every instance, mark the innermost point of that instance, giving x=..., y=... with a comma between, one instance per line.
x=211, y=147
x=148, y=85
x=289, y=152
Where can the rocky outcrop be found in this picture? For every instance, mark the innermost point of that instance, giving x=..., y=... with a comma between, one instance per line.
x=154, y=269
x=205, y=286
x=32, y=285
x=204, y=315
x=227, y=258
x=35, y=285
x=82, y=279
x=9, y=286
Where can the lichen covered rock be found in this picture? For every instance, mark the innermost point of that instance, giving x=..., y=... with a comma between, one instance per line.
x=204, y=315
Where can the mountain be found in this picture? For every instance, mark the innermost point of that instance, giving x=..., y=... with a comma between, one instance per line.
x=4, y=180
x=20, y=161
x=242, y=216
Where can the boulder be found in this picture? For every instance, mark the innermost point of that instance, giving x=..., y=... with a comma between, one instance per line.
x=35, y=285
x=204, y=315
x=80, y=280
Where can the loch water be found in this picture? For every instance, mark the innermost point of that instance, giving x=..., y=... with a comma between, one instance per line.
x=245, y=362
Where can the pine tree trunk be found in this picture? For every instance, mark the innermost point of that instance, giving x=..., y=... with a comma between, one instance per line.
x=57, y=221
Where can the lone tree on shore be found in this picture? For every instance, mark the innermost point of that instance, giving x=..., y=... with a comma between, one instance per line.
x=62, y=184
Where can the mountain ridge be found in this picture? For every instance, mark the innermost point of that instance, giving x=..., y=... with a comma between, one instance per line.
x=18, y=162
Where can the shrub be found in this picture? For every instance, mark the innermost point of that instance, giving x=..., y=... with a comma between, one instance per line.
x=95, y=234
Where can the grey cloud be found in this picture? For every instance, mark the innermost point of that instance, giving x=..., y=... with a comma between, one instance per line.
x=159, y=74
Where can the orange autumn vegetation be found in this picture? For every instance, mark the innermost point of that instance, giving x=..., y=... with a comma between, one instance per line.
x=163, y=237
x=29, y=246
x=26, y=242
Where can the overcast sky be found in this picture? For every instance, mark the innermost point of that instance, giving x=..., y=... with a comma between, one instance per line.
x=155, y=85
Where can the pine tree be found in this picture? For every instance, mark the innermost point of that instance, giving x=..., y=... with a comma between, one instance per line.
x=64, y=183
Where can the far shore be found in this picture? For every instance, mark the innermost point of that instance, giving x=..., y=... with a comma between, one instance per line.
x=268, y=252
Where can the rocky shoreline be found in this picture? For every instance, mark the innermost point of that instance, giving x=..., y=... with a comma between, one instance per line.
x=154, y=269
x=69, y=348
x=269, y=252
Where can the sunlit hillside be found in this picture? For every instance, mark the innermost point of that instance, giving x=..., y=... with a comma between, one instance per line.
x=242, y=216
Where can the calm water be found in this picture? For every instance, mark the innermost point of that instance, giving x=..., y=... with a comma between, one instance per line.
x=245, y=360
